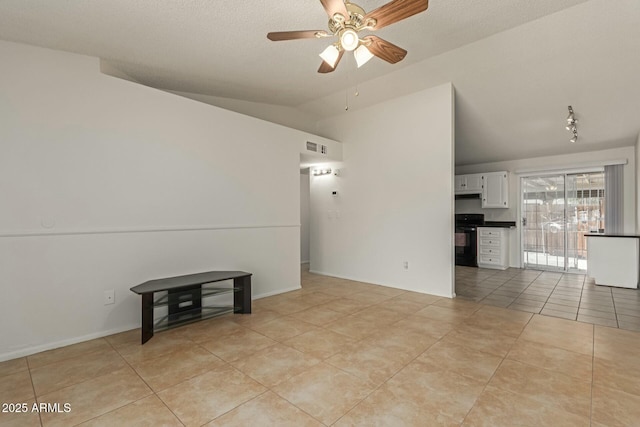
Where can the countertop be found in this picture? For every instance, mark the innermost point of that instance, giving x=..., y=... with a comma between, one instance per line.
x=635, y=236
x=499, y=224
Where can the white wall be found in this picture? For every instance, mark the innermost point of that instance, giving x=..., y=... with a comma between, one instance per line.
x=304, y=216
x=286, y=116
x=105, y=184
x=637, y=148
x=561, y=162
x=395, y=195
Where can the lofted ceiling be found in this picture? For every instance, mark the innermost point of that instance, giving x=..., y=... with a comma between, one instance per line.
x=516, y=64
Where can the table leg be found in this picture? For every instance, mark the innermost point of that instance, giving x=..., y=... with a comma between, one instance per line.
x=242, y=297
x=147, y=317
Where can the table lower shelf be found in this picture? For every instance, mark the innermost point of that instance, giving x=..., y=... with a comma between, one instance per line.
x=190, y=316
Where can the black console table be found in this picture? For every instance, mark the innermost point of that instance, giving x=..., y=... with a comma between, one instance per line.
x=183, y=298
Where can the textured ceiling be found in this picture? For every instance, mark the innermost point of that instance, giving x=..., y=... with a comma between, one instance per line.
x=516, y=64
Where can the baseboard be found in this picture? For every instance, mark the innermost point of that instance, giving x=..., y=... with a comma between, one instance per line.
x=278, y=292
x=355, y=279
x=63, y=343
x=75, y=340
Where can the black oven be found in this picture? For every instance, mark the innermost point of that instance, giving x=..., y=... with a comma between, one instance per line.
x=466, y=238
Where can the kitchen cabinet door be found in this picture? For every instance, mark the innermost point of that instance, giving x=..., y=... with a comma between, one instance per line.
x=468, y=184
x=460, y=183
x=474, y=182
x=495, y=191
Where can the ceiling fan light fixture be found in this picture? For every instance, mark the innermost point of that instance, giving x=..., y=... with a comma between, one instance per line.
x=362, y=55
x=330, y=55
x=349, y=39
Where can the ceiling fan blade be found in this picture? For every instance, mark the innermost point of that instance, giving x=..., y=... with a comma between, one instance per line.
x=335, y=6
x=294, y=35
x=395, y=11
x=326, y=68
x=385, y=50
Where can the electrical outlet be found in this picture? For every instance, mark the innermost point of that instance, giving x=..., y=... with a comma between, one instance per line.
x=406, y=265
x=109, y=297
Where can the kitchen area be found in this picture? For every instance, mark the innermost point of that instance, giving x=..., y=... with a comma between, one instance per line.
x=536, y=243
x=479, y=241
x=539, y=221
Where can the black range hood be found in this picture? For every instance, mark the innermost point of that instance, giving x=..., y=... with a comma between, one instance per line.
x=468, y=196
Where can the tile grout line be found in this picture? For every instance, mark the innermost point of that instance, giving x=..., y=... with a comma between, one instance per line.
x=497, y=369
x=267, y=388
x=79, y=382
x=595, y=309
x=615, y=311
x=153, y=393
x=196, y=344
x=519, y=294
x=291, y=403
x=33, y=387
x=500, y=286
x=392, y=376
x=554, y=288
x=579, y=307
x=83, y=381
x=321, y=361
x=593, y=368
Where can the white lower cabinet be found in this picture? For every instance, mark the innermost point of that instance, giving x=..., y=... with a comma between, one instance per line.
x=613, y=261
x=493, y=248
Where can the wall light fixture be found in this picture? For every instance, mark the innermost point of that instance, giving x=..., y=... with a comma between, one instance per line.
x=317, y=172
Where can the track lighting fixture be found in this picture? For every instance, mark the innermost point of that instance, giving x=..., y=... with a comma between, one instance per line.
x=572, y=125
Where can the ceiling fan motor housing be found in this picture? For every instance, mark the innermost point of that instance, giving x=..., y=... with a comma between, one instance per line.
x=355, y=20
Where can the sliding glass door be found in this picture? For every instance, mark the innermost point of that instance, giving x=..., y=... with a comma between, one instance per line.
x=557, y=211
x=543, y=217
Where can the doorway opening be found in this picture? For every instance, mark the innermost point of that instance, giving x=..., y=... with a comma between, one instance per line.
x=557, y=211
x=305, y=197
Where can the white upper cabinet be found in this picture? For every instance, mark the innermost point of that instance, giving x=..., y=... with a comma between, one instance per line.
x=495, y=191
x=468, y=184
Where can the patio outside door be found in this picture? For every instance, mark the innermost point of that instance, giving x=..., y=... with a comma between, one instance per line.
x=557, y=211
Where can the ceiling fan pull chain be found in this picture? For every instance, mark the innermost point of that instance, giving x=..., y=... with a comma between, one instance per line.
x=346, y=99
x=346, y=92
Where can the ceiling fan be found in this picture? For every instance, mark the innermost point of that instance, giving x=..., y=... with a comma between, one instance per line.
x=346, y=20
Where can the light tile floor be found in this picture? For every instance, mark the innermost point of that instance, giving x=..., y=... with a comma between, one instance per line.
x=570, y=296
x=344, y=353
